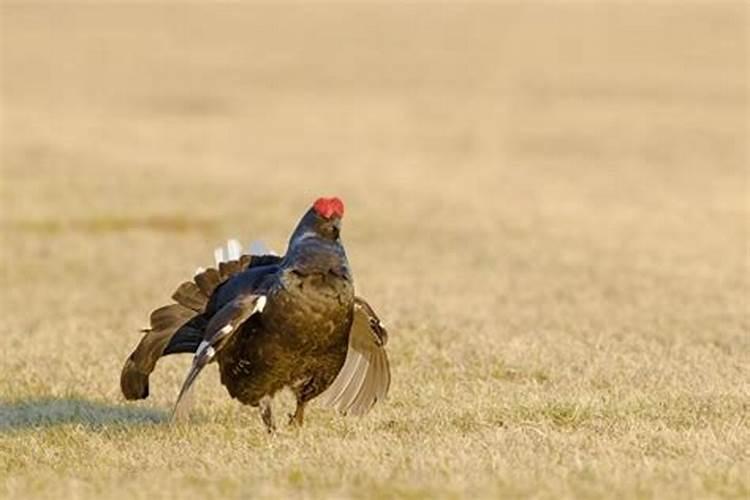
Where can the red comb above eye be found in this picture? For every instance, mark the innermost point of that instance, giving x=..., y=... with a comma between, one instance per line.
x=328, y=207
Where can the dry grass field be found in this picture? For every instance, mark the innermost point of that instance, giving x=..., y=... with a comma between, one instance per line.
x=547, y=203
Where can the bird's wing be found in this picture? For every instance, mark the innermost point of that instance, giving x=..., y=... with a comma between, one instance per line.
x=220, y=328
x=191, y=299
x=365, y=377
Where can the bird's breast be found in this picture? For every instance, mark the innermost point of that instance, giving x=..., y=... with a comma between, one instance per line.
x=310, y=310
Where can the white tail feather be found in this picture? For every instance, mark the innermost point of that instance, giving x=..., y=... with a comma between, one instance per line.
x=219, y=255
x=257, y=247
x=234, y=249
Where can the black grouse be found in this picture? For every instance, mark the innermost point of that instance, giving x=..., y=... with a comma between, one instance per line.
x=274, y=322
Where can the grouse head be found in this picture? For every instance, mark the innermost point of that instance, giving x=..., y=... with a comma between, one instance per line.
x=322, y=220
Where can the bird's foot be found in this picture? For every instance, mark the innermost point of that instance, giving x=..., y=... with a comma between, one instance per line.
x=298, y=418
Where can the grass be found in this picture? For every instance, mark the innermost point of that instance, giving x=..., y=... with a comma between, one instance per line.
x=547, y=204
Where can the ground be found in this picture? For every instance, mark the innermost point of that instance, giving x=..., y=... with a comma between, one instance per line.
x=547, y=204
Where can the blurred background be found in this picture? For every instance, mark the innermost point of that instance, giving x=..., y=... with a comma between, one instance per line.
x=536, y=192
x=479, y=147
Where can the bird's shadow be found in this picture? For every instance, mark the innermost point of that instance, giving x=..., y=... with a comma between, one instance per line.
x=48, y=412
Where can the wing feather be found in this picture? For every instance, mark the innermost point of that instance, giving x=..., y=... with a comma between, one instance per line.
x=353, y=385
x=220, y=328
x=383, y=372
x=367, y=396
x=364, y=377
x=333, y=394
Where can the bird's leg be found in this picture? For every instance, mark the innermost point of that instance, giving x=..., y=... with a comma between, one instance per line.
x=265, y=413
x=299, y=414
x=302, y=391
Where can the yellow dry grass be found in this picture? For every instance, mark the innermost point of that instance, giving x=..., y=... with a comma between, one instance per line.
x=547, y=203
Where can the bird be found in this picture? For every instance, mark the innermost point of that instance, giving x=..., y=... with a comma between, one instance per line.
x=271, y=323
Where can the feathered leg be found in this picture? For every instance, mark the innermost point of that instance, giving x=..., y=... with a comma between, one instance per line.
x=299, y=414
x=266, y=414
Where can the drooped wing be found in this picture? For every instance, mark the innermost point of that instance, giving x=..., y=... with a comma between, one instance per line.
x=220, y=328
x=365, y=377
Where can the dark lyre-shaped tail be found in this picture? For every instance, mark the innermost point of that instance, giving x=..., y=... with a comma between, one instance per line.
x=179, y=327
x=165, y=321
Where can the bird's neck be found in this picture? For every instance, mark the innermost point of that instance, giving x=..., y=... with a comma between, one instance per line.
x=316, y=255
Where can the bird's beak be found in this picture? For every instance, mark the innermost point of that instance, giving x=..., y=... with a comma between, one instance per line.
x=336, y=224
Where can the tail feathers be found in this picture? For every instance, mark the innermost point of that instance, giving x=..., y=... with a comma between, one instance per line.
x=232, y=267
x=177, y=328
x=231, y=252
x=164, y=323
x=234, y=249
x=257, y=247
x=187, y=338
x=207, y=280
x=195, y=294
x=191, y=296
